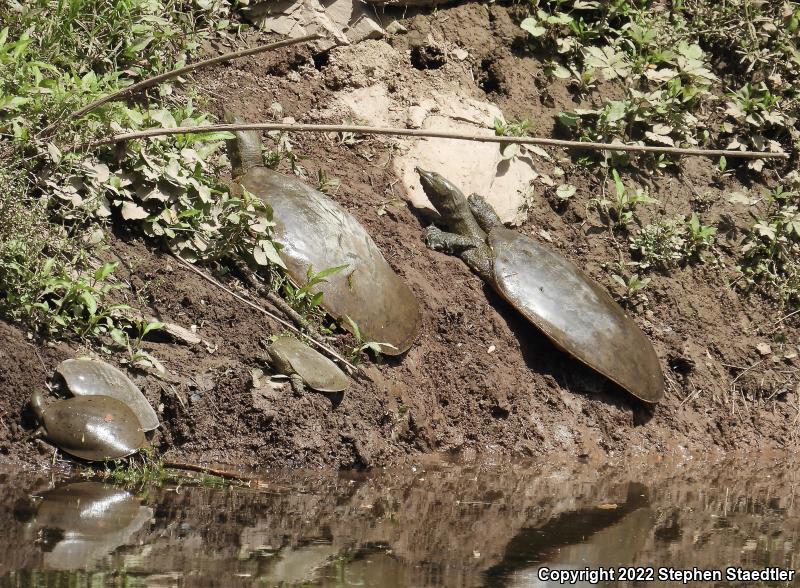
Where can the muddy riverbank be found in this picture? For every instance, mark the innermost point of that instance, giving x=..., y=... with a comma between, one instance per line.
x=479, y=379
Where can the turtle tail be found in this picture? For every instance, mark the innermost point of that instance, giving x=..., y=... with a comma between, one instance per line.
x=245, y=150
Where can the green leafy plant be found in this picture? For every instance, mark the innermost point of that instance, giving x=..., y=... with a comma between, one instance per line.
x=667, y=243
x=771, y=248
x=361, y=345
x=622, y=209
x=54, y=58
x=760, y=121
x=632, y=283
x=516, y=129
x=326, y=183
x=304, y=299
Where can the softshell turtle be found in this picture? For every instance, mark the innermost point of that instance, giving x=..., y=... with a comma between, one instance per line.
x=89, y=521
x=90, y=377
x=94, y=428
x=315, y=232
x=305, y=366
x=570, y=308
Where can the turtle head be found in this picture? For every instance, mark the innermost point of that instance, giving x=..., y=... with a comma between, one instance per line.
x=450, y=203
x=245, y=150
x=439, y=190
x=37, y=405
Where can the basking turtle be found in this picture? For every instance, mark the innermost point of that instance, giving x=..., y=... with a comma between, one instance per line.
x=90, y=377
x=94, y=428
x=570, y=308
x=304, y=366
x=317, y=233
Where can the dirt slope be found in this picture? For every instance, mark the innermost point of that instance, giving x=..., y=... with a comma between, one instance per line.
x=449, y=392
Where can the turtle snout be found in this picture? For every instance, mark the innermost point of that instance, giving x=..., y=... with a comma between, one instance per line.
x=427, y=179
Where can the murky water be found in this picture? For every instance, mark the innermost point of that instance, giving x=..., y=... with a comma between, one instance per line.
x=436, y=525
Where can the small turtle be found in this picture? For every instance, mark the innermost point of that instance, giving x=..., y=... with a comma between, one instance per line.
x=317, y=233
x=570, y=308
x=90, y=377
x=94, y=428
x=304, y=366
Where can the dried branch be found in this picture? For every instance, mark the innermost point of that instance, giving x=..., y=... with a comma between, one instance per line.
x=155, y=80
x=422, y=133
x=274, y=317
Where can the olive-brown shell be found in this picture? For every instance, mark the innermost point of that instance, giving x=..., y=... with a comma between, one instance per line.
x=316, y=370
x=317, y=233
x=90, y=377
x=95, y=428
x=575, y=313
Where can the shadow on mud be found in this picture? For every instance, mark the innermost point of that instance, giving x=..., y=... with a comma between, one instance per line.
x=542, y=356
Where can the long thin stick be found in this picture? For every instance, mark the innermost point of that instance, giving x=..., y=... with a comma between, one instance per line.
x=154, y=80
x=367, y=130
x=283, y=322
x=278, y=303
x=193, y=467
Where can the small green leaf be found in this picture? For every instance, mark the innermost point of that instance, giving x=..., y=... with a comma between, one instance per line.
x=566, y=191
x=353, y=328
x=105, y=270
x=329, y=272
x=89, y=302
x=509, y=151
x=568, y=119
x=132, y=211
x=531, y=25
x=265, y=253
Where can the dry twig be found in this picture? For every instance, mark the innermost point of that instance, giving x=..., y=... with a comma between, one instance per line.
x=428, y=134
x=327, y=349
x=155, y=80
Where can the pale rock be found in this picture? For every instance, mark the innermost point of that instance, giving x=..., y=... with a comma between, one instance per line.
x=472, y=166
x=763, y=348
x=341, y=21
x=395, y=28
x=460, y=54
x=416, y=117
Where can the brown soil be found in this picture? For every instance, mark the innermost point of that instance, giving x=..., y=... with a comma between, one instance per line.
x=449, y=392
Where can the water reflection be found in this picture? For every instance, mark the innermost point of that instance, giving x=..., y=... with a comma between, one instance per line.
x=77, y=524
x=434, y=526
x=606, y=534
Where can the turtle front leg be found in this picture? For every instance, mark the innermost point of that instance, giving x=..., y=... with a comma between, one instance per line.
x=483, y=212
x=298, y=386
x=451, y=243
x=474, y=252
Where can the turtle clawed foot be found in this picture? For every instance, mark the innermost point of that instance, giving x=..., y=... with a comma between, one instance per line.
x=298, y=386
x=435, y=238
